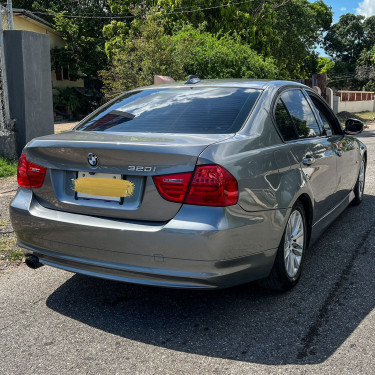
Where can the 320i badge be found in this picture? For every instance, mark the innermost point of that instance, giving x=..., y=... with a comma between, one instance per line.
x=197, y=185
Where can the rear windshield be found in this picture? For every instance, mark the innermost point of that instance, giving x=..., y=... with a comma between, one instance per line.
x=196, y=110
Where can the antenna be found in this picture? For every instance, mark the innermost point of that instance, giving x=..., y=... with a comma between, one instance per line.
x=192, y=80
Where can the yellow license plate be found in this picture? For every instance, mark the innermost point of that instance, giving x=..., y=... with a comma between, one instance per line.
x=104, y=186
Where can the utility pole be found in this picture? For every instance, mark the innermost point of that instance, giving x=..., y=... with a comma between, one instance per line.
x=5, y=121
x=10, y=15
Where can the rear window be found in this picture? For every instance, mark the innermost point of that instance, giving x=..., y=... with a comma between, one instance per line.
x=196, y=110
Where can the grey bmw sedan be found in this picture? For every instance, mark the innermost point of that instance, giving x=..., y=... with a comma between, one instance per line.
x=205, y=184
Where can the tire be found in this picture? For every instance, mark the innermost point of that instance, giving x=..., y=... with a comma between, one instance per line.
x=360, y=184
x=284, y=274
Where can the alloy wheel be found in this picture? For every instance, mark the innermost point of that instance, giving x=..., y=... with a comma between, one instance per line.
x=294, y=243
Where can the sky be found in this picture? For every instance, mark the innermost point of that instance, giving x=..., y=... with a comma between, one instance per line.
x=340, y=7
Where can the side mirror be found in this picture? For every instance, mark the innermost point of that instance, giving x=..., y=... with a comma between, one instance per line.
x=353, y=126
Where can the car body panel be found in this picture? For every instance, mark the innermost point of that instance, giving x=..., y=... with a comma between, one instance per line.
x=66, y=154
x=149, y=240
x=321, y=175
x=348, y=164
x=216, y=239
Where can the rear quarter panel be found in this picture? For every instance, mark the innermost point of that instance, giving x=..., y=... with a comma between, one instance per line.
x=268, y=174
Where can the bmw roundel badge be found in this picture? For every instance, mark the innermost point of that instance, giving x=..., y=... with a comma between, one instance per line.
x=93, y=160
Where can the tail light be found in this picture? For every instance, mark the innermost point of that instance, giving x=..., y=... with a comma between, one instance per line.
x=173, y=187
x=30, y=175
x=210, y=185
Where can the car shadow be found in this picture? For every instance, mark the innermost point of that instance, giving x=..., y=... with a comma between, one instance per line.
x=245, y=323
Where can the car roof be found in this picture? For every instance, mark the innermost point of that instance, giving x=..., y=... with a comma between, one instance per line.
x=259, y=84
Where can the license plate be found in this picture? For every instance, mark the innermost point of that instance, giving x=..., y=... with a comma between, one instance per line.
x=103, y=188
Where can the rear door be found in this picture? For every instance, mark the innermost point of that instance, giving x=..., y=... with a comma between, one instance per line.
x=345, y=147
x=313, y=151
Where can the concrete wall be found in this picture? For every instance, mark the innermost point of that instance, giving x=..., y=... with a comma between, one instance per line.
x=27, y=58
x=359, y=106
x=335, y=104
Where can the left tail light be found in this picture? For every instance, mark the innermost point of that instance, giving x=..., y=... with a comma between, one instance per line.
x=30, y=175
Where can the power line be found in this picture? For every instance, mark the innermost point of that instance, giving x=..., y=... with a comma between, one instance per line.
x=214, y=7
x=117, y=16
x=67, y=15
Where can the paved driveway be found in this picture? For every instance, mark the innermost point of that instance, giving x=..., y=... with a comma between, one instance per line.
x=54, y=322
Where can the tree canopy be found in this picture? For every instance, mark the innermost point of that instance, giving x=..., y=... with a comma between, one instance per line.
x=123, y=43
x=148, y=51
x=346, y=39
x=350, y=42
x=286, y=30
x=84, y=51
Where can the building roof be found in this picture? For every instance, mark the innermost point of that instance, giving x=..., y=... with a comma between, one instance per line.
x=32, y=18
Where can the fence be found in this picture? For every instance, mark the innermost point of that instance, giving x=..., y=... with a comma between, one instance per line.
x=354, y=101
x=6, y=23
x=355, y=96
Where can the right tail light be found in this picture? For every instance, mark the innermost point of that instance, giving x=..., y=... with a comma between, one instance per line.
x=209, y=185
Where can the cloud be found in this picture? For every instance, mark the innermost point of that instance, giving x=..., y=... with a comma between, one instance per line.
x=366, y=8
x=343, y=9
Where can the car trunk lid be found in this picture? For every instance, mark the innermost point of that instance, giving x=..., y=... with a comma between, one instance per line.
x=133, y=157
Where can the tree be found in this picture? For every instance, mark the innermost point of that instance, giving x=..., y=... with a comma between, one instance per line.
x=83, y=34
x=219, y=56
x=347, y=38
x=301, y=25
x=365, y=69
x=325, y=65
x=285, y=30
x=146, y=50
x=347, y=42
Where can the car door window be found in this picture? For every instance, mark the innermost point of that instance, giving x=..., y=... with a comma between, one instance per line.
x=330, y=123
x=284, y=122
x=326, y=125
x=301, y=113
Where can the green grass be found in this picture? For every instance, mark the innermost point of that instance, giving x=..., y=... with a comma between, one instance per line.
x=7, y=167
x=10, y=253
x=366, y=116
x=3, y=223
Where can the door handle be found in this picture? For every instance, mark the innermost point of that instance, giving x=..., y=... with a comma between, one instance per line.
x=308, y=160
x=339, y=152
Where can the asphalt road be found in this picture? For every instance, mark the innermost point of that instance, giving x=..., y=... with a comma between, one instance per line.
x=55, y=322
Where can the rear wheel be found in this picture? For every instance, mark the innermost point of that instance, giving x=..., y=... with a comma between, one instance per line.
x=360, y=184
x=287, y=268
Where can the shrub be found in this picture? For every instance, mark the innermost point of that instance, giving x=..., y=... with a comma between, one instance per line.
x=148, y=51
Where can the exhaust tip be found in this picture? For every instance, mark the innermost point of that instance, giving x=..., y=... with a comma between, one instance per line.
x=33, y=262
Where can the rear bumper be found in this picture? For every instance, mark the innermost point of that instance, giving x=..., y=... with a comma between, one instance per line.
x=202, y=247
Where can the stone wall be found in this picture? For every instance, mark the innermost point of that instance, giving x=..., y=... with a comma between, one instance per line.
x=8, y=144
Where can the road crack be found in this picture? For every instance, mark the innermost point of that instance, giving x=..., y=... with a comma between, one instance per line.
x=313, y=332
x=7, y=191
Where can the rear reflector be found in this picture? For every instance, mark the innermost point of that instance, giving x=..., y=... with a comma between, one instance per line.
x=30, y=175
x=211, y=185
